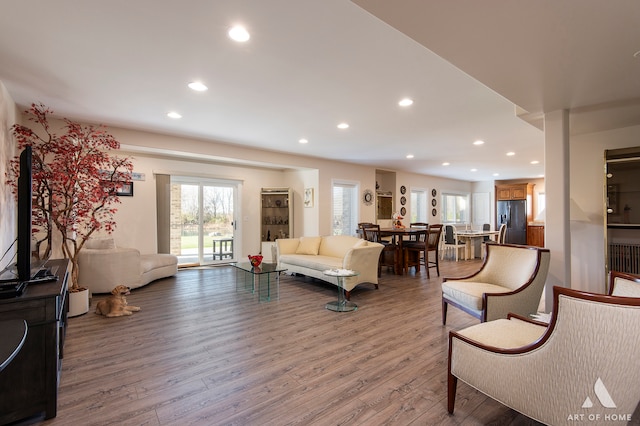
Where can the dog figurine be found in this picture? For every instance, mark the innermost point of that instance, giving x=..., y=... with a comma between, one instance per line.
x=116, y=304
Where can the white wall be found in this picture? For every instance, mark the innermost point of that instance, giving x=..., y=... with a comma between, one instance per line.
x=8, y=220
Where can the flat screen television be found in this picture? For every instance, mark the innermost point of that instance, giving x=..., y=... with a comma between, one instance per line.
x=24, y=216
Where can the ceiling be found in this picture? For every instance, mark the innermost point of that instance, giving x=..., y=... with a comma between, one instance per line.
x=310, y=65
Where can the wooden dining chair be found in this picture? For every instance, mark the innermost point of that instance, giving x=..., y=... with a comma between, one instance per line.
x=433, y=245
x=414, y=250
x=390, y=254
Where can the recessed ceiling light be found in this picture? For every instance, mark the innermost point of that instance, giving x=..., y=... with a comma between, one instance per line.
x=197, y=86
x=478, y=142
x=474, y=170
x=445, y=163
x=173, y=114
x=343, y=126
x=535, y=162
x=405, y=102
x=239, y=33
x=496, y=174
x=303, y=141
x=511, y=154
x=409, y=156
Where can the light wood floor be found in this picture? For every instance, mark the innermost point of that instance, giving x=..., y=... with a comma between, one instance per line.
x=200, y=353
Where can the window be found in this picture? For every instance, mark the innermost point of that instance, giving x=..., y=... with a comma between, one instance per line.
x=418, y=206
x=344, y=208
x=455, y=208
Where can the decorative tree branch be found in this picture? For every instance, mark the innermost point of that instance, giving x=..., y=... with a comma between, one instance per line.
x=75, y=178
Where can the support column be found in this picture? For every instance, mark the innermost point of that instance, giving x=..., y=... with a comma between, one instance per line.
x=556, y=175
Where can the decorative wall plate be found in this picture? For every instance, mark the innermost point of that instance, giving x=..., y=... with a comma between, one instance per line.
x=434, y=212
x=367, y=197
x=403, y=211
x=403, y=189
x=434, y=192
x=434, y=202
x=403, y=200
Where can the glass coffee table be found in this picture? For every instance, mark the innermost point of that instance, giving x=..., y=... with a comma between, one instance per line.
x=342, y=304
x=263, y=279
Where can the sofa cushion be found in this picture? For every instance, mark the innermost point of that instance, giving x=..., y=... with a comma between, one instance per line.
x=309, y=245
x=505, y=333
x=149, y=262
x=100, y=243
x=338, y=245
x=318, y=263
x=470, y=293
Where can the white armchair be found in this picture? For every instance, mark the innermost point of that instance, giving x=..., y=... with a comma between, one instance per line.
x=583, y=365
x=624, y=284
x=511, y=279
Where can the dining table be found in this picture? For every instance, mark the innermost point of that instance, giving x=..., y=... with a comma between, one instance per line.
x=398, y=235
x=470, y=237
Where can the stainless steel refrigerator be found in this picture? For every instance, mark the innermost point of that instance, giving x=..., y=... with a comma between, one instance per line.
x=514, y=214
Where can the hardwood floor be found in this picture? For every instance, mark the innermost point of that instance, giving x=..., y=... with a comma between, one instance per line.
x=201, y=353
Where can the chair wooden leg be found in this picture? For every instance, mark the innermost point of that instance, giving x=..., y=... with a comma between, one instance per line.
x=426, y=262
x=452, y=384
x=437, y=264
x=444, y=312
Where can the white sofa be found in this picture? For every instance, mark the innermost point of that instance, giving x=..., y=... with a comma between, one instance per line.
x=311, y=256
x=102, y=266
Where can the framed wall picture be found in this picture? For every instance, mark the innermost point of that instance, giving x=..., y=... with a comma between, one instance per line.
x=125, y=189
x=308, y=197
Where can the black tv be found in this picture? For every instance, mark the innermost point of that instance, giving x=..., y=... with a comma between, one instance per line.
x=23, y=262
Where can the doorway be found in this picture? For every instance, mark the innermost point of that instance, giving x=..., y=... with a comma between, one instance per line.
x=203, y=220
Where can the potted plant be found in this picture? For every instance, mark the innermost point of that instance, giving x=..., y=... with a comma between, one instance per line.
x=75, y=180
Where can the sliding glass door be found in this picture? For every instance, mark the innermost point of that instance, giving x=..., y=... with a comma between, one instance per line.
x=203, y=220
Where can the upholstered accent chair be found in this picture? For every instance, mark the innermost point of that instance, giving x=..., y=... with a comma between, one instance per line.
x=624, y=284
x=511, y=279
x=582, y=365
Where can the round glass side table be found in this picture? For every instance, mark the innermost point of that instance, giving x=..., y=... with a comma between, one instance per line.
x=342, y=304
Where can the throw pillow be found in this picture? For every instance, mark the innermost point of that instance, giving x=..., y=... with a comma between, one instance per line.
x=100, y=243
x=309, y=245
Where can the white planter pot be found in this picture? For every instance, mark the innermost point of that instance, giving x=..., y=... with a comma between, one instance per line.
x=78, y=303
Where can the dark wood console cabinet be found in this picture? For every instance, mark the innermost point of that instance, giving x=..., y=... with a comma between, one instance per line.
x=29, y=384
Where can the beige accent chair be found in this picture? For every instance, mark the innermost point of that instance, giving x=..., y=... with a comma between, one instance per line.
x=583, y=365
x=624, y=284
x=511, y=279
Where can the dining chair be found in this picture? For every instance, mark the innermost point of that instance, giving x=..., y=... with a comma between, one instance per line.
x=420, y=225
x=502, y=234
x=361, y=226
x=414, y=250
x=390, y=254
x=485, y=228
x=433, y=245
x=451, y=243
